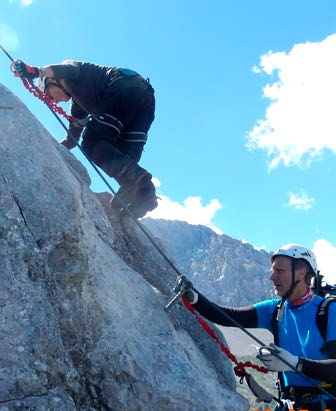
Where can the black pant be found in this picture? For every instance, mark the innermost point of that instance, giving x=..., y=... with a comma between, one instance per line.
x=133, y=105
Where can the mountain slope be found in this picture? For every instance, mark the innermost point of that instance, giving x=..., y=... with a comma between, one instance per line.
x=82, y=296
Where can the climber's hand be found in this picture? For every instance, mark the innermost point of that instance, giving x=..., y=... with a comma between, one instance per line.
x=20, y=69
x=277, y=359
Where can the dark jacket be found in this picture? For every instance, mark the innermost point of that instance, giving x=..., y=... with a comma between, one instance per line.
x=91, y=87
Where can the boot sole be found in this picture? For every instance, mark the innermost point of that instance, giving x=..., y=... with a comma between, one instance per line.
x=127, y=196
x=143, y=209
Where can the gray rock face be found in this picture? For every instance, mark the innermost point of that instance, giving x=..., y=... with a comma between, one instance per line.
x=224, y=269
x=82, y=295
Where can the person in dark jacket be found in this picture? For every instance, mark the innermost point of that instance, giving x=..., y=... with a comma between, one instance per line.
x=297, y=336
x=113, y=110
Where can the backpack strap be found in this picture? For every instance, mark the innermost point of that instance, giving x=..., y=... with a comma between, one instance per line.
x=322, y=318
x=275, y=330
x=274, y=324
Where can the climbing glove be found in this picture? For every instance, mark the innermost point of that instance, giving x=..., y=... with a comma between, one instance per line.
x=183, y=283
x=24, y=70
x=273, y=362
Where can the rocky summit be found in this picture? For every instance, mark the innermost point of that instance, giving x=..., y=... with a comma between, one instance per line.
x=82, y=295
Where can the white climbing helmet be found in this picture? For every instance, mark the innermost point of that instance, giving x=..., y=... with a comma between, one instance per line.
x=297, y=251
x=41, y=84
x=44, y=82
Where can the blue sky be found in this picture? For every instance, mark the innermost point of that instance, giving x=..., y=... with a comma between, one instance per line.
x=244, y=139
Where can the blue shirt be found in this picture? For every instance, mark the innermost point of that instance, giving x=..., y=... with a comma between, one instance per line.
x=298, y=332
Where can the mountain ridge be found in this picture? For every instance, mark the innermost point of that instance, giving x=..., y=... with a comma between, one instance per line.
x=227, y=270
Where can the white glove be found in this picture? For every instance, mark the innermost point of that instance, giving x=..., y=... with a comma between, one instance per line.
x=273, y=362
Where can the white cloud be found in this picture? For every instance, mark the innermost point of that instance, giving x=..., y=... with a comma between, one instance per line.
x=23, y=3
x=326, y=256
x=191, y=210
x=8, y=37
x=300, y=201
x=300, y=120
x=156, y=182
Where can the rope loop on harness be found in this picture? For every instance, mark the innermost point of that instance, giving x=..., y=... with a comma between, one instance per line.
x=45, y=99
x=239, y=368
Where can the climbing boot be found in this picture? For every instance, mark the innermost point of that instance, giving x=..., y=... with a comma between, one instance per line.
x=145, y=200
x=131, y=180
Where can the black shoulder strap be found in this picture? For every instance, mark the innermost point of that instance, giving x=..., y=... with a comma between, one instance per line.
x=275, y=330
x=322, y=315
x=274, y=324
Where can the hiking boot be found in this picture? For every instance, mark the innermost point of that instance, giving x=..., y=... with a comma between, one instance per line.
x=128, y=191
x=140, y=210
x=144, y=201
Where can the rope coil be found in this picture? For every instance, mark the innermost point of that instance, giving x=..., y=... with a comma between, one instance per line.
x=45, y=99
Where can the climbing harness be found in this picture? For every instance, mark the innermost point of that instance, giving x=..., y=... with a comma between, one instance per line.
x=107, y=120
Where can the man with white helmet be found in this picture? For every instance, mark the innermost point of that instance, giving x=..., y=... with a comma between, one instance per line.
x=292, y=320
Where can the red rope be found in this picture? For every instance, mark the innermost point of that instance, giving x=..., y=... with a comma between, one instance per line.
x=45, y=99
x=239, y=368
